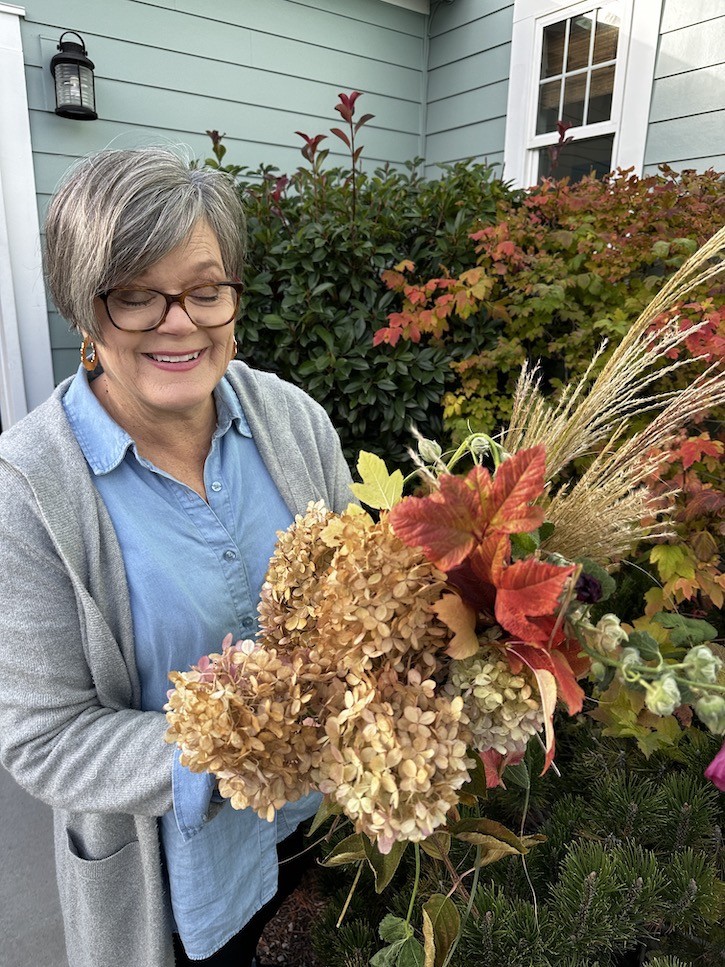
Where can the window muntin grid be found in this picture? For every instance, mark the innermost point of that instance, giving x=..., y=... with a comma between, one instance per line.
x=582, y=92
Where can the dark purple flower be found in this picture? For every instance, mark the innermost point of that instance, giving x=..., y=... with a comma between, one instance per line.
x=588, y=589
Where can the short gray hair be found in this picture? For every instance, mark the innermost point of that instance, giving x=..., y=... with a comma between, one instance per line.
x=118, y=212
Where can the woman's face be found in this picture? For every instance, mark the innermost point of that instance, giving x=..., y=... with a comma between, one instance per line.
x=137, y=386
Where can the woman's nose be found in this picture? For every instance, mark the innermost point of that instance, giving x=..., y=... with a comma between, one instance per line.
x=177, y=319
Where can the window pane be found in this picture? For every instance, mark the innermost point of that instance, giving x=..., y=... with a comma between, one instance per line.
x=574, y=92
x=548, y=107
x=606, y=36
x=580, y=31
x=600, y=95
x=552, y=52
x=578, y=159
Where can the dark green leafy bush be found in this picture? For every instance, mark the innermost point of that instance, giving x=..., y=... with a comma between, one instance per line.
x=318, y=242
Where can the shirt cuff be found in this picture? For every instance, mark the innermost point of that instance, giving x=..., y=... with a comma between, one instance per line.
x=191, y=795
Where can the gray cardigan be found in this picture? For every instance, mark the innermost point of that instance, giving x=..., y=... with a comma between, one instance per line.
x=70, y=730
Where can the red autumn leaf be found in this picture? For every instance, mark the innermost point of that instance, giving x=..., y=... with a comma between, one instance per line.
x=694, y=448
x=445, y=524
x=494, y=764
x=363, y=120
x=526, y=589
x=518, y=481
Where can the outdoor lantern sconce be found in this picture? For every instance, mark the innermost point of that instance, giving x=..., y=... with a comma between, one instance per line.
x=75, y=94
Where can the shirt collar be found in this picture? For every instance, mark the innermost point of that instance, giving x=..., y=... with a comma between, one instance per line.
x=105, y=444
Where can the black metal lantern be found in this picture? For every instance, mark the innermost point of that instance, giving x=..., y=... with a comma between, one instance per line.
x=75, y=94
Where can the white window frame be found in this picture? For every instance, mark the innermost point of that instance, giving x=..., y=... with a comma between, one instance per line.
x=26, y=368
x=634, y=75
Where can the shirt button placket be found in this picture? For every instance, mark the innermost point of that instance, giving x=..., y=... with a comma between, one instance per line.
x=230, y=555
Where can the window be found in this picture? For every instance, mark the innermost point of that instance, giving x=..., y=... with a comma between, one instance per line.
x=584, y=67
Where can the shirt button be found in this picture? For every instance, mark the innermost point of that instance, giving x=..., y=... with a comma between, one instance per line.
x=216, y=486
x=248, y=621
x=229, y=555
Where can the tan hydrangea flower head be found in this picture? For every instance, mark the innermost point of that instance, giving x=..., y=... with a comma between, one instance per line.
x=395, y=761
x=503, y=709
x=243, y=715
x=292, y=590
x=376, y=602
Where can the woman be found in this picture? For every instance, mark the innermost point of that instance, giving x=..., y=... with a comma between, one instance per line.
x=139, y=510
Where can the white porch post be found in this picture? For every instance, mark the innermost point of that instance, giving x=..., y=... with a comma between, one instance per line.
x=26, y=371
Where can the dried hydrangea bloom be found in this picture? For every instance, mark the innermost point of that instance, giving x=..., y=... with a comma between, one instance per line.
x=395, y=764
x=243, y=715
x=503, y=709
x=292, y=590
x=376, y=602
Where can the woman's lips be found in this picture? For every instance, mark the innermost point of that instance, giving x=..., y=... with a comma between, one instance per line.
x=176, y=362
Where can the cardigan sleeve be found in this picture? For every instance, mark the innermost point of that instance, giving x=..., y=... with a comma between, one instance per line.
x=57, y=738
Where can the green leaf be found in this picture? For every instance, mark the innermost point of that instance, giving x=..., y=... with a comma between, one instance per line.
x=495, y=840
x=437, y=845
x=685, y=631
x=645, y=644
x=386, y=956
x=546, y=530
x=517, y=775
x=411, y=954
x=672, y=561
x=350, y=850
x=476, y=785
x=326, y=810
x=441, y=923
x=523, y=544
x=383, y=865
x=394, y=928
x=379, y=489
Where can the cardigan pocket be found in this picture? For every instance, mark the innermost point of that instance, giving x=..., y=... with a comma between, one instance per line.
x=118, y=864
x=103, y=903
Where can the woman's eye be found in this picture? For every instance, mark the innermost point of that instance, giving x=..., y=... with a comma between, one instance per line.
x=133, y=298
x=205, y=294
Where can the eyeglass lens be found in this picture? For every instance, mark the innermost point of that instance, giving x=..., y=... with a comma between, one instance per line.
x=206, y=305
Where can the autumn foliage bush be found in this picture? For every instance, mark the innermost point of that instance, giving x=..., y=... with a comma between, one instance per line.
x=562, y=269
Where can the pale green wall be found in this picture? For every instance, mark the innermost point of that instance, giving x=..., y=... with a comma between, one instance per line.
x=259, y=70
x=687, y=115
x=468, y=69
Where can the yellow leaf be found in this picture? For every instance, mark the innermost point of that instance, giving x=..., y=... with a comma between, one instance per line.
x=461, y=619
x=379, y=489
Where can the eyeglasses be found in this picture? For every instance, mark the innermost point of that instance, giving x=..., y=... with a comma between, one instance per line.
x=141, y=310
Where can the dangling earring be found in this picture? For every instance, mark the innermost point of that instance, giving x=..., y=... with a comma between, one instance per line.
x=235, y=350
x=89, y=357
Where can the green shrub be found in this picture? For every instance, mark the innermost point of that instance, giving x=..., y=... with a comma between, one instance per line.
x=318, y=242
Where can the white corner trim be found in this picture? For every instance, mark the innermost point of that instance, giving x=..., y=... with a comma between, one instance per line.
x=13, y=404
x=24, y=315
x=420, y=6
x=12, y=9
x=639, y=83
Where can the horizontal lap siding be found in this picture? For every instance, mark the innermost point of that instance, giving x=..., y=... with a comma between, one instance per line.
x=687, y=115
x=469, y=60
x=258, y=70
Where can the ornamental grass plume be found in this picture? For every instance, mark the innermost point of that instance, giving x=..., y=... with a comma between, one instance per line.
x=601, y=515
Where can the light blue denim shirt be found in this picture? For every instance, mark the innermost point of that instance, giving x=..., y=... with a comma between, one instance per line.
x=194, y=571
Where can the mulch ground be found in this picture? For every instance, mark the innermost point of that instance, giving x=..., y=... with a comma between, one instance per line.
x=286, y=939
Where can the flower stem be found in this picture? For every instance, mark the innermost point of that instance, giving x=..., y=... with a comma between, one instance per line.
x=349, y=896
x=469, y=907
x=415, y=883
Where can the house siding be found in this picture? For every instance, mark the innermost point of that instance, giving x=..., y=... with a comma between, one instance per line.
x=257, y=70
x=467, y=87
x=687, y=114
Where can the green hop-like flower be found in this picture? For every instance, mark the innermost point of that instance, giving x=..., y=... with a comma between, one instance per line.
x=711, y=711
x=663, y=695
x=701, y=665
x=429, y=450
